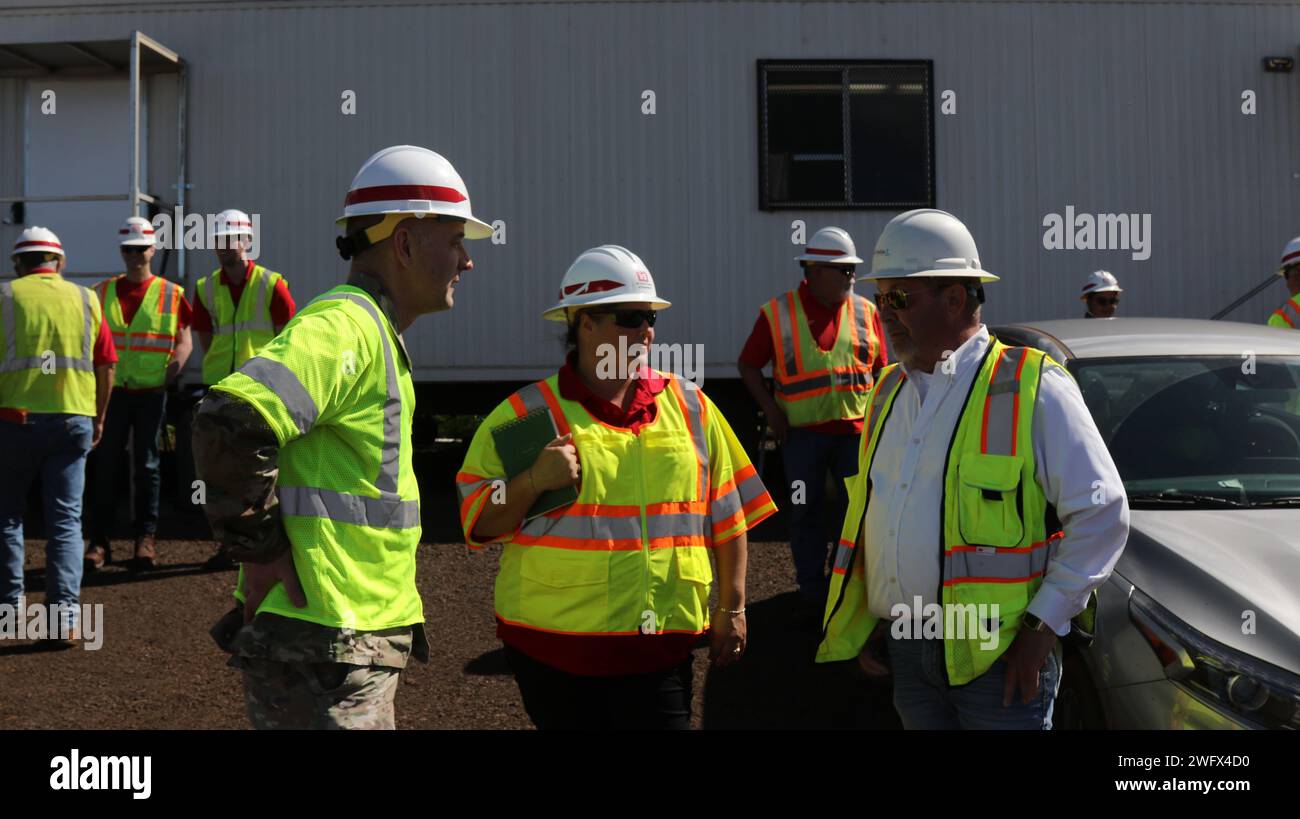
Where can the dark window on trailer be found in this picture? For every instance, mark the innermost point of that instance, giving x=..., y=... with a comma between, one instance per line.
x=845, y=134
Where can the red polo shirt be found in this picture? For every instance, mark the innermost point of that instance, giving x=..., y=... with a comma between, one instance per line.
x=824, y=325
x=605, y=656
x=282, y=306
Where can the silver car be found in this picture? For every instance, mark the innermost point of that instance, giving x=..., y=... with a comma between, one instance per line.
x=1199, y=625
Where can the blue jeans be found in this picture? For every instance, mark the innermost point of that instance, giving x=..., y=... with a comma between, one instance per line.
x=808, y=456
x=925, y=701
x=53, y=447
x=141, y=414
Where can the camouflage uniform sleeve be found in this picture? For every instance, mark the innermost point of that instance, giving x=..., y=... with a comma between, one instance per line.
x=236, y=455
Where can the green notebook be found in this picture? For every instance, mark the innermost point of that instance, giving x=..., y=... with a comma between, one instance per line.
x=518, y=443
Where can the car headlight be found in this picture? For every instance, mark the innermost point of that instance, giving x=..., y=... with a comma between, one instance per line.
x=1258, y=692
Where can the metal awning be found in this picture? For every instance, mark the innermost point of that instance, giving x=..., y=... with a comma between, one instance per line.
x=136, y=57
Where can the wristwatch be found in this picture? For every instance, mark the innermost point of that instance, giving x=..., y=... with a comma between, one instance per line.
x=1034, y=623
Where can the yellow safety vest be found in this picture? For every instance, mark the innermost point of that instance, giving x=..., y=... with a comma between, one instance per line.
x=47, y=336
x=336, y=388
x=1288, y=315
x=994, y=517
x=812, y=385
x=238, y=332
x=145, y=346
x=631, y=554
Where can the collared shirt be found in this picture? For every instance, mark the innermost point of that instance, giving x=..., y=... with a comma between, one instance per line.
x=641, y=410
x=903, y=543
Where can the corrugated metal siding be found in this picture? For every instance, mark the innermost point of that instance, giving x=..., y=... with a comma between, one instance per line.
x=1109, y=108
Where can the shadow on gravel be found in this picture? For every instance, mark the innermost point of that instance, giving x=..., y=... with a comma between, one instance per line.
x=778, y=685
x=490, y=664
x=117, y=573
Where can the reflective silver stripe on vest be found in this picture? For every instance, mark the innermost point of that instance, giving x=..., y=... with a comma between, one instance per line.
x=617, y=527
x=390, y=457
x=804, y=385
x=36, y=362
x=680, y=524
x=787, y=329
x=843, y=554
x=994, y=563
x=8, y=323
x=377, y=513
x=695, y=417
x=999, y=420
x=282, y=381
x=168, y=289
x=532, y=399
x=88, y=335
x=388, y=511
x=725, y=507
x=467, y=489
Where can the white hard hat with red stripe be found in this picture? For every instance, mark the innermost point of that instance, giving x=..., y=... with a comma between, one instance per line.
x=231, y=222
x=1290, y=256
x=38, y=239
x=830, y=245
x=609, y=274
x=136, y=232
x=414, y=181
x=1100, y=281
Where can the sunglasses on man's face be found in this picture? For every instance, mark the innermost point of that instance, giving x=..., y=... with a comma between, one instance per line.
x=1106, y=302
x=133, y=250
x=894, y=299
x=630, y=319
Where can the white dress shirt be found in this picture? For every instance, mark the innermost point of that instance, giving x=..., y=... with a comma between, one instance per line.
x=900, y=533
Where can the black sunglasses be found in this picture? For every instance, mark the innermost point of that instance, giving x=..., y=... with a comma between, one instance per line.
x=133, y=249
x=1106, y=302
x=630, y=319
x=894, y=299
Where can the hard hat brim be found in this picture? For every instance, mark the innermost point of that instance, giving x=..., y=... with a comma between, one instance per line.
x=558, y=312
x=137, y=243
x=475, y=228
x=828, y=259
x=1110, y=288
x=943, y=273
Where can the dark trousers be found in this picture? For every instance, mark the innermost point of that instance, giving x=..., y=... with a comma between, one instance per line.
x=141, y=414
x=555, y=699
x=808, y=457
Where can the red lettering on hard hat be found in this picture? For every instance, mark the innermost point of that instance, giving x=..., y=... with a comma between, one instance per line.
x=383, y=193
x=642, y=276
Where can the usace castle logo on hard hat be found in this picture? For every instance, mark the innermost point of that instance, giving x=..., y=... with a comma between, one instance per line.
x=643, y=277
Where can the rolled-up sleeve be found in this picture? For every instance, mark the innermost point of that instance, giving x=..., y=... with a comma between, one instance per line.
x=1080, y=480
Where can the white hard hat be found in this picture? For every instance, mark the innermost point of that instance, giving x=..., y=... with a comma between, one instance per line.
x=136, y=232
x=1100, y=281
x=1290, y=256
x=231, y=222
x=608, y=274
x=407, y=179
x=37, y=239
x=923, y=243
x=830, y=245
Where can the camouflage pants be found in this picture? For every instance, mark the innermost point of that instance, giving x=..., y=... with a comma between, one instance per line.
x=336, y=696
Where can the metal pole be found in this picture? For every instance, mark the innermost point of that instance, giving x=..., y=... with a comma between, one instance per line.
x=181, y=169
x=1225, y=311
x=133, y=188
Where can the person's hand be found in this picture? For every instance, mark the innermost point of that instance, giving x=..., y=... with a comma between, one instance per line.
x=728, y=638
x=557, y=465
x=97, y=431
x=869, y=659
x=260, y=578
x=1024, y=659
x=780, y=425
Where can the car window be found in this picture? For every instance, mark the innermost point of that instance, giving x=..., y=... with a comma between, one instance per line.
x=1224, y=428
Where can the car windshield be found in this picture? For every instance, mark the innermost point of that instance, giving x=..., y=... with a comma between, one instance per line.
x=1199, y=431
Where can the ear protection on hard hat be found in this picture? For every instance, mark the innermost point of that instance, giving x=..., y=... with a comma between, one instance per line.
x=354, y=243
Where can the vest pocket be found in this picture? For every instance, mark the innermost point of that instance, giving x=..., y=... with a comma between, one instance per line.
x=988, y=499
x=693, y=564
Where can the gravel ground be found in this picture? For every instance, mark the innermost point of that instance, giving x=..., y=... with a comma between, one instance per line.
x=158, y=668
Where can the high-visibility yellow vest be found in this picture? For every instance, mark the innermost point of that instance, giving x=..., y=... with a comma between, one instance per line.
x=335, y=386
x=812, y=385
x=631, y=554
x=994, y=516
x=1288, y=315
x=238, y=332
x=47, y=337
x=145, y=346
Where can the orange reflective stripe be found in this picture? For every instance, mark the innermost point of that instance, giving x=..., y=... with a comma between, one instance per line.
x=957, y=581
x=469, y=477
x=468, y=503
x=1015, y=404
x=517, y=405
x=1282, y=315
x=557, y=414
x=676, y=508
